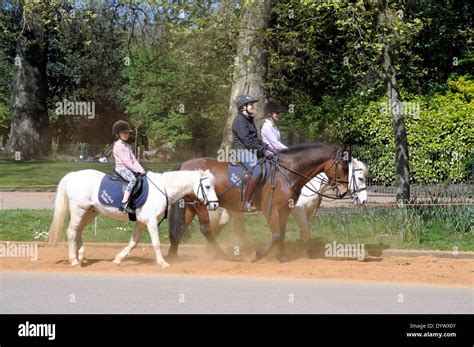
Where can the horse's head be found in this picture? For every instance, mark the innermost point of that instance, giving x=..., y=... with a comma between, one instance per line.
x=357, y=182
x=204, y=190
x=337, y=170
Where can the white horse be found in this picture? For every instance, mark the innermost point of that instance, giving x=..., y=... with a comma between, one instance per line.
x=80, y=190
x=306, y=206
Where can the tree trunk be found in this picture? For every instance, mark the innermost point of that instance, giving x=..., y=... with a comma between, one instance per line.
x=250, y=66
x=396, y=109
x=29, y=132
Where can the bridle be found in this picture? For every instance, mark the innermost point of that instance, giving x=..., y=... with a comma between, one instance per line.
x=336, y=162
x=205, y=200
x=333, y=183
x=353, y=186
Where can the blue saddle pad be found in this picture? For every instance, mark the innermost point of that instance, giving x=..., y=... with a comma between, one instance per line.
x=235, y=174
x=111, y=192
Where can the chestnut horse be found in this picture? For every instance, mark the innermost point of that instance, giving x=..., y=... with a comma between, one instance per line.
x=294, y=168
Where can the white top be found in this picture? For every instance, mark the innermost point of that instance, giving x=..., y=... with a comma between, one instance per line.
x=271, y=136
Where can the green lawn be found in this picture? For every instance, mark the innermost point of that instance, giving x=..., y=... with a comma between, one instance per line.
x=47, y=174
x=387, y=228
x=428, y=228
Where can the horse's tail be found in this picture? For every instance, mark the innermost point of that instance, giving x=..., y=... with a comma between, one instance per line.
x=60, y=209
x=177, y=224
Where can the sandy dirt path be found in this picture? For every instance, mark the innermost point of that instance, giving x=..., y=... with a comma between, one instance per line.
x=195, y=262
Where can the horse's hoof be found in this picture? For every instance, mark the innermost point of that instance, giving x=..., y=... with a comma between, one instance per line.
x=83, y=261
x=283, y=259
x=164, y=265
x=254, y=257
x=117, y=261
x=172, y=255
x=75, y=263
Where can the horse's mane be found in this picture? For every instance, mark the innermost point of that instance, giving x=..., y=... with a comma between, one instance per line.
x=305, y=146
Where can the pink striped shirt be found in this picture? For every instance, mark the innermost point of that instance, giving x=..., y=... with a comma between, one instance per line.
x=124, y=157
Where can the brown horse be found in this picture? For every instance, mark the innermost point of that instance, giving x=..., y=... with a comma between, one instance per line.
x=294, y=168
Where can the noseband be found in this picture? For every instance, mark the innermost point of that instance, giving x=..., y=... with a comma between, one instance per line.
x=336, y=180
x=205, y=199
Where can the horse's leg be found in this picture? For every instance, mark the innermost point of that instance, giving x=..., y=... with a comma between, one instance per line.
x=300, y=214
x=281, y=241
x=86, y=219
x=274, y=224
x=239, y=229
x=137, y=233
x=176, y=213
x=77, y=214
x=303, y=214
x=155, y=241
x=205, y=228
x=218, y=220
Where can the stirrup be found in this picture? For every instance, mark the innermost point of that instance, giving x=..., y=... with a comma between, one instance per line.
x=124, y=207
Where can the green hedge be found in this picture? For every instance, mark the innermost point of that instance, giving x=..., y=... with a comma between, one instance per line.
x=440, y=130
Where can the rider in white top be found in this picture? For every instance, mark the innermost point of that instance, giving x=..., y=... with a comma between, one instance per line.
x=270, y=133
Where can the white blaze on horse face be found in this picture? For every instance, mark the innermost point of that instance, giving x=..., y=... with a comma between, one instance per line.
x=206, y=192
x=358, y=181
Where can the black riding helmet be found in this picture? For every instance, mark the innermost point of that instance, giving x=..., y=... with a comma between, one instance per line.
x=243, y=100
x=271, y=107
x=121, y=126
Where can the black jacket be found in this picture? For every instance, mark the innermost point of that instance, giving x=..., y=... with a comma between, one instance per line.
x=245, y=135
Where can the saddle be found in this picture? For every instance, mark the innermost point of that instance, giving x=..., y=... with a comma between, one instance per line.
x=113, y=186
x=114, y=176
x=238, y=176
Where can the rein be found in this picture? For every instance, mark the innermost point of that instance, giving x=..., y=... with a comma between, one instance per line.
x=326, y=182
x=308, y=179
x=205, y=201
x=166, y=196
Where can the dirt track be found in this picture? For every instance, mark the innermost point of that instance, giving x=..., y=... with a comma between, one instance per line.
x=416, y=270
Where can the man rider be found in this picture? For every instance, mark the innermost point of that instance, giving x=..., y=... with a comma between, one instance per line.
x=248, y=146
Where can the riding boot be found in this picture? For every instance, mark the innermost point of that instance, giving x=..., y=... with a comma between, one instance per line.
x=247, y=205
x=124, y=207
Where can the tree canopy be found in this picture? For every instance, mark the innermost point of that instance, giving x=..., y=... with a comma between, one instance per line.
x=168, y=68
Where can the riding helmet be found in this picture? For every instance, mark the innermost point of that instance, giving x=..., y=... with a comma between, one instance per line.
x=271, y=107
x=243, y=100
x=121, y=126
